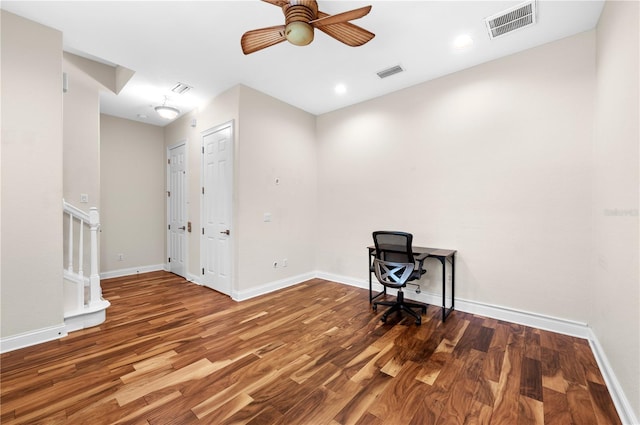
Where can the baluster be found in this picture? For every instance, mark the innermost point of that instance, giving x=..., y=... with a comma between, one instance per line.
x=70, y=265
x=81, y=249
x=94, y=278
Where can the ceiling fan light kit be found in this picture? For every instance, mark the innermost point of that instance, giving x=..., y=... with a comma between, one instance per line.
x=299, y=33
x=301, y=18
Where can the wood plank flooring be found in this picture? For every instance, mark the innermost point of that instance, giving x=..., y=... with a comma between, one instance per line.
x=172, y=352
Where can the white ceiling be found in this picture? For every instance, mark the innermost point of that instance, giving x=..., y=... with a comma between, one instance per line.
x=198, y=43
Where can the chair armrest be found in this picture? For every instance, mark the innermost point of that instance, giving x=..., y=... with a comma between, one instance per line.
x=420, y=260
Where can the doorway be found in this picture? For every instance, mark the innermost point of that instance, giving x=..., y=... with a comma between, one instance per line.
x=177, y=209
x=217, y=198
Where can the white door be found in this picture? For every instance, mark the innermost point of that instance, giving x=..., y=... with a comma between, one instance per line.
x=217, y=186
x=177, y=209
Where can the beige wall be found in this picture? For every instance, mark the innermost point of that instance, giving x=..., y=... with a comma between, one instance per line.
x=31, y=192
x=81, y=137
x=272, y=139
x=132, y=195
x=494, y=161
x=615, y=316
x=276, y=140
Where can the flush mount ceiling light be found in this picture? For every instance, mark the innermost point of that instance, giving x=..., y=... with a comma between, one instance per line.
x=167, y=112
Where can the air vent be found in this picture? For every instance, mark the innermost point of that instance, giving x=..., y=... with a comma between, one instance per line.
x=512, y=19
x=181, y=88
x=390, y=71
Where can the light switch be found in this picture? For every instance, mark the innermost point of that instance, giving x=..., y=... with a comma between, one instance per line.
x=267, y=217
x=84, y=198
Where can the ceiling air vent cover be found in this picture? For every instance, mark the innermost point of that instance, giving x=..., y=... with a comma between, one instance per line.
x=512, y=19
x=390, y=71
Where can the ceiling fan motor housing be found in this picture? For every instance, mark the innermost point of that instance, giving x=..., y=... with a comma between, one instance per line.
x=298, y=14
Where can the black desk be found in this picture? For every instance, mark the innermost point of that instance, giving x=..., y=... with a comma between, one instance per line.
x=443, y=255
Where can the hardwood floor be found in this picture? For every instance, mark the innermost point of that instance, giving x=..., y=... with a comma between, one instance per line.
x=171, y=352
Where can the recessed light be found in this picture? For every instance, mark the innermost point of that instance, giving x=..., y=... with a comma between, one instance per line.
x=463, y=41
x=340, y=89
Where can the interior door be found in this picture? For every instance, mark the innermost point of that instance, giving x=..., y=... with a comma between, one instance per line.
x=177, y=210
x=217, y=175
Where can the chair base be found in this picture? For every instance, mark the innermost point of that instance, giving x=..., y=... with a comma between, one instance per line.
x=401, y=305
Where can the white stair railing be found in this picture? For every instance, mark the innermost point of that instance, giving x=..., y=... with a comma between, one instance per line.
x=77, y=220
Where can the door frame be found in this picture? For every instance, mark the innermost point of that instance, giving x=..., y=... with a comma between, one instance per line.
x=232, y=239
x=185, y=206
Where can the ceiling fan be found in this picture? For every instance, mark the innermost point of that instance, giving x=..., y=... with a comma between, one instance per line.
x=301, y=17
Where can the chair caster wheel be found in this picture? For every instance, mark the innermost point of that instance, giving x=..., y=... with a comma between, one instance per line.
x=418, y=322
x=383, y=319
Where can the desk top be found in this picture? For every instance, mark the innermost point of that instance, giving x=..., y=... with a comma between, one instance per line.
x=431, y=252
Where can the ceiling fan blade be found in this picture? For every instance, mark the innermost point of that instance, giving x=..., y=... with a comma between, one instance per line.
x=278, y=3
x=340, y=17
x=255, y=40
x=347, y=33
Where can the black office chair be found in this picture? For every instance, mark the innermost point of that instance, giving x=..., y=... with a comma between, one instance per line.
x=393, y=253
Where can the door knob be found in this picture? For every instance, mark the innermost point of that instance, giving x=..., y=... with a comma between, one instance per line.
x=226, y=232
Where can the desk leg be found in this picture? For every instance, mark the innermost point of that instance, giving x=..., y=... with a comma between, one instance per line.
x=446, y=312
x=453, y=281
x=370, y=285
x=444, y=287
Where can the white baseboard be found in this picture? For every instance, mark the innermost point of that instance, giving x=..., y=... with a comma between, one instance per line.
x=534, y=320
x=620, y=400
x=194, y=279
x=271, y=287
x=87, y=317
x=548, y=323
x=28, y=339
x=132, y=270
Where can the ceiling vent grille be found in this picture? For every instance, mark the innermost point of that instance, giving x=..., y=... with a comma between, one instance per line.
x=390, y=71
x=181, y=88
x=512, y=19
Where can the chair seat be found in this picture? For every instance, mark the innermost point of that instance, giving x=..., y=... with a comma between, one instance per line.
x=395, y=275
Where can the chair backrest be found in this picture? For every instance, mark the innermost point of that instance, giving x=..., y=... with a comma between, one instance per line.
x=393, y=246
x=392, y=274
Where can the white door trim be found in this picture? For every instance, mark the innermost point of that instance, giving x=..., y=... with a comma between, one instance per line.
x=167, y=266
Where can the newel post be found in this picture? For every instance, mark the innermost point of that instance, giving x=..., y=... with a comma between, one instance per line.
x=94, y=277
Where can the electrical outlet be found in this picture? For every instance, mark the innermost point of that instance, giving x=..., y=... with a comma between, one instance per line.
x=120, y=257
